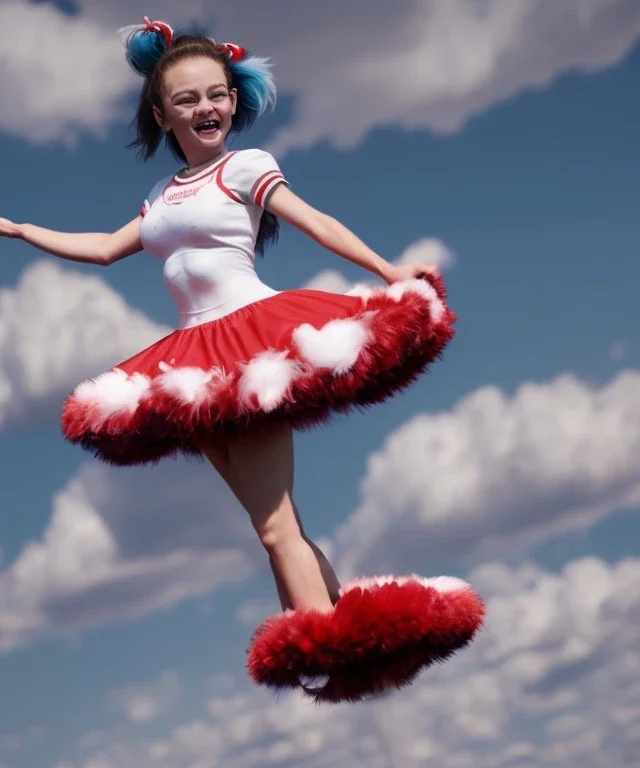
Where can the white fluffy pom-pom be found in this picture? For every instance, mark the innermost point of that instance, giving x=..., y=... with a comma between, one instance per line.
x=267, y=378
x=190, y=384
x=113, y=391
x=337, y=345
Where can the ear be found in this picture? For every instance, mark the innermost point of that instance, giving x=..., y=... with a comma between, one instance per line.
x=233, y=95
x=159, y=117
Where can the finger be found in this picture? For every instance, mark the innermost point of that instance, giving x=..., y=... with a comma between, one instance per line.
x=426, y=270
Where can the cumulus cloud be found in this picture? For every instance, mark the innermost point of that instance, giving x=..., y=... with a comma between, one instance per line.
x=57, y=327
x=496, y=472
x=52, y=64
x=550, y=682
x=434, y=64
x=145, y=703
x=428, y=250
x=124, y=543
x=416, y=64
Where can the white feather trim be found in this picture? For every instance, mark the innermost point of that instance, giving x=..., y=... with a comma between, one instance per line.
x=422, y=288
x=336, y=345
x=363, y=290
x=268, y=377
x=113, y=391
x=190, y=384
x=442, y=584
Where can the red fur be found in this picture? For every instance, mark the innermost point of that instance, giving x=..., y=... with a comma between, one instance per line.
x=405, y=340
x=374, y=640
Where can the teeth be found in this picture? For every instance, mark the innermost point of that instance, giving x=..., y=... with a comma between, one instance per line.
x=207, y=124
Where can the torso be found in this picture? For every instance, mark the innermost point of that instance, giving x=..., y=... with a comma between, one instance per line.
x=206, y=233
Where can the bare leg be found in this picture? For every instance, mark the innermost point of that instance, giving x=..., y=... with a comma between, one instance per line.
x=262, y=465
x=216, y=449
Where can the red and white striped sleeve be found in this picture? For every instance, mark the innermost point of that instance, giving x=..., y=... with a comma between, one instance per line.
x=255, y=174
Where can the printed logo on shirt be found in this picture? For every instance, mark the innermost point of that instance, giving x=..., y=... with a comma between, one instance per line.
x=174, y=195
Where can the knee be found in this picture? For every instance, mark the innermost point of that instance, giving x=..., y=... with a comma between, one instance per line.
x=278, y=532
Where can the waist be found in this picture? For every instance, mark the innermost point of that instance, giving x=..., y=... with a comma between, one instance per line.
x=207, y=280
x=230, y=302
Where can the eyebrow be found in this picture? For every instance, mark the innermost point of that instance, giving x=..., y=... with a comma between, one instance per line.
x=193, y=91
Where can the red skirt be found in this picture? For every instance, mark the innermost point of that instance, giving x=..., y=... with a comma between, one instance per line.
x=298, y=356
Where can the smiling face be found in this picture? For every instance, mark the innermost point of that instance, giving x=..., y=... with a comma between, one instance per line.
x=197, y=105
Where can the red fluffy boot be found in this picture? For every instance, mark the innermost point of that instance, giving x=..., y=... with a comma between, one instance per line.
x=381, y=633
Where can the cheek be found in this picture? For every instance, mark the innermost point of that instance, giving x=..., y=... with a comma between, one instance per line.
x=227, y=110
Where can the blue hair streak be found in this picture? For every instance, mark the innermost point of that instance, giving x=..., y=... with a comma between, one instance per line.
x=145, y=44
x=254, y=82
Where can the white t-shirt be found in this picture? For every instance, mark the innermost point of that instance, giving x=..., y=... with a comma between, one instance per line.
x=204, y=228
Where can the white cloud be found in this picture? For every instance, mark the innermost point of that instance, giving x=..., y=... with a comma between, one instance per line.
x=61, y=74
x=57, y=327
x=145, y=703
x=550, y=682
x=124, y=543
x=427, y=250
x=329, y=280
x=414, y=63
x=434, y=64
x=430, y=251
x=496, y=473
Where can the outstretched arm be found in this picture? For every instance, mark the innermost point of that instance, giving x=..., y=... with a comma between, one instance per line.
x=86, y=247
x=334, y=236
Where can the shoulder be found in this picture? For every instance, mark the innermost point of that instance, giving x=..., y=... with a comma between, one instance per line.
x=156, y=190
x=252, y=158
x=253, y=174
x=158, y=187
x=254, y=153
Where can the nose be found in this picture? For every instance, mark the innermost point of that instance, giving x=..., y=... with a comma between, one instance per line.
x=205, y=106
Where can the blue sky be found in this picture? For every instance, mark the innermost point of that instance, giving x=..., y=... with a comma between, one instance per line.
x=127, y=597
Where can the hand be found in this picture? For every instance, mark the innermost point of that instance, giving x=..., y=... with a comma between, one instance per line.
x=410, y=271
x=9, y=229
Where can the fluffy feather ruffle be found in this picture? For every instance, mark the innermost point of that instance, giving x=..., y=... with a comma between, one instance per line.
x=380, y=635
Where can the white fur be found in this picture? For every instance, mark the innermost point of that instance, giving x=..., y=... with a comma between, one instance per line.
x=190, y=384
x=442, y=584
x=268, y=377
x=336, y=345
x=363, y=290
x=113, y=391
x=437, y=310
x=422, y=288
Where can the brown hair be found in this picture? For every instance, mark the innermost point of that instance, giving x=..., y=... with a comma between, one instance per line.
x=149, y=134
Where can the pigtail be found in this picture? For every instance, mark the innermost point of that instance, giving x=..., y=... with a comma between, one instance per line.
x=145, y=44
x=253, y=79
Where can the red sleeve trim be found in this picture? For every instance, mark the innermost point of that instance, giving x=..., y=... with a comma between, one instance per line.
x=264, y=184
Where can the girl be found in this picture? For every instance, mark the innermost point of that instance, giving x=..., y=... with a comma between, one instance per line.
x=248, y=364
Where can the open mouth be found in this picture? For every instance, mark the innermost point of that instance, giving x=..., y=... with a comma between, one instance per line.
x=207, y=126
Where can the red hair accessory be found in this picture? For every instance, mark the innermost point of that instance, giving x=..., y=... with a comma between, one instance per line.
x=159, y=26
x=235, y=52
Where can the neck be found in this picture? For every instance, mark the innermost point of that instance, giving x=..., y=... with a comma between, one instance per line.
x=196, y=164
